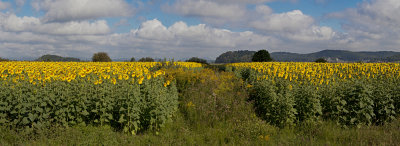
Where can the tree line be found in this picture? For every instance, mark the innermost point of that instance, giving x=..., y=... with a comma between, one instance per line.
x=228, y=57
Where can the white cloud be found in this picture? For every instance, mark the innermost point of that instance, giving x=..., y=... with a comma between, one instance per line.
x=263, y=9
x=314, y=33
x=72, y=10
x=235, y=14
x=13, y=23
x=4, y=5
x=153, y=29
x=208, y=10
x=284, y=22
x=152, y=38
x=373, y=24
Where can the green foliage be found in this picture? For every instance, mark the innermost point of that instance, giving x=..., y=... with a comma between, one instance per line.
x=261, y=56
x=126, y=107
x=359, y=107
x=101, y=57
x=349, y=103
x=395, y=91
x=332, y=102
x=307, y=103
x=198, y=60
x=274, y=103
x=248, y=75
x=132, y=59
x=321, y=60
x=146, y=59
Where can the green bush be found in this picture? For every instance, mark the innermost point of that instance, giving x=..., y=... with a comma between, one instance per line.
x=332, y=102
x=273, y=103
x=307, y=103
x=124, y=106
x=248, y=75
x=384, y=108
x=395, y=91
x=359, y=107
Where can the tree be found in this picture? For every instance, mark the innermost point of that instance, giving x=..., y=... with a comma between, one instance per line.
x=198, y=60
x=261, y=56
x=133, y=59
x=146, y=59
x=101, y=57
x=321, y=60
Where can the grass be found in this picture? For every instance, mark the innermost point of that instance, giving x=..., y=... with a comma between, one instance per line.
x=213, y=110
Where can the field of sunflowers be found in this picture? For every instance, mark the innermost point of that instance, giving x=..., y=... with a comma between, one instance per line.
x=352, y=94
x=182, y=103
x=128, y=96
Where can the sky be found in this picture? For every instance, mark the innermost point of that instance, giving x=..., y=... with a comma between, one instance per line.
x=194, y=28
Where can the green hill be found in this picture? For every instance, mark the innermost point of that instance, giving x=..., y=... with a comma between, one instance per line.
x=235, y=56
x=55, y=58
x=330, y=55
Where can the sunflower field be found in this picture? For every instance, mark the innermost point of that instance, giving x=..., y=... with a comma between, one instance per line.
x=352, y=94
x=131, y=97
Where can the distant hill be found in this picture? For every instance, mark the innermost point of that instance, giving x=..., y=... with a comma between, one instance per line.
x=235, y=56
x=330, y=55
x=339, y=56
x=56, y=58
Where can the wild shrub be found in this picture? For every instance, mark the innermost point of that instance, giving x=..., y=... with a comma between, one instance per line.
x=332, y=102
x=307, y=103
x=395, y=91
x=359, y=107
x=274, y=103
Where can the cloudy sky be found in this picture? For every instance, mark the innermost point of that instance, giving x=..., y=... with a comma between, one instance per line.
x=201, y=28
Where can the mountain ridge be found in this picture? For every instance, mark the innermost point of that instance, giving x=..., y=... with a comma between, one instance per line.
x=330, y=55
